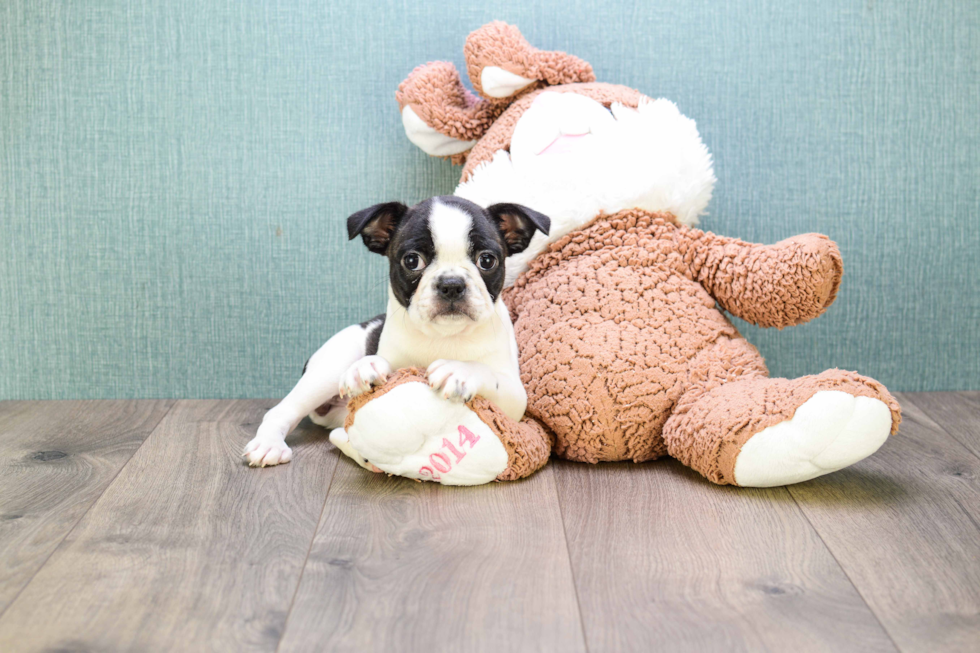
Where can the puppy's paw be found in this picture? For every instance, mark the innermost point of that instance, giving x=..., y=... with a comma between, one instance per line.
x=266, y=450
x=362, y=375
x=457, y=380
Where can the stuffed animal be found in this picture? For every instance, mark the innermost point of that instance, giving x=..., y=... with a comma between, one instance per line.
x=625, y=350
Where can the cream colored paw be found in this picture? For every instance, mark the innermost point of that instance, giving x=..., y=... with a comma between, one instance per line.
x=832, y=430
x=411, y=431
x=264, y=451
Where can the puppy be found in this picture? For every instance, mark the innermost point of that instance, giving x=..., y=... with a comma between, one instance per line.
x=446, y=260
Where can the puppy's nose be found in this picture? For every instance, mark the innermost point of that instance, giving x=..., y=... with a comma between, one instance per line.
x=451, y=288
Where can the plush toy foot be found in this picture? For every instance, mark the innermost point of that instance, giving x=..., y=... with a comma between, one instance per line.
x=830, y=431
x=763, y=432
x=407, y=429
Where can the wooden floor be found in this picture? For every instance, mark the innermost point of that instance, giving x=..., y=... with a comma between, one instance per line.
x=133, y=525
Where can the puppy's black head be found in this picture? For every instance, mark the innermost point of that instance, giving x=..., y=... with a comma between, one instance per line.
x=446, y=255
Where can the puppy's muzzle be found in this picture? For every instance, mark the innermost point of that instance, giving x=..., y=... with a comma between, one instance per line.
x=451, y=297
x=451, y=289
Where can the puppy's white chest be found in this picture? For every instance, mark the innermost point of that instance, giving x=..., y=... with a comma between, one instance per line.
x=413, y=349
x=492, y=342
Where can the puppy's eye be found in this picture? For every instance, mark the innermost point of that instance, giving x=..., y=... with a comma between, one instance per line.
x=487, y=261
x=413, y=262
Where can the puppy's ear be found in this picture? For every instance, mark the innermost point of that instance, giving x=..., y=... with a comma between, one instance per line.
x=517, y=224
x=376, y=224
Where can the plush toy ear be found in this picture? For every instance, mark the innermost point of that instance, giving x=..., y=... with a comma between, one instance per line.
x=517, y=224
x=376, y=224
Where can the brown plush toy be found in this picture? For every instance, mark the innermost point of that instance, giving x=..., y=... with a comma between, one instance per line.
x=625, y=351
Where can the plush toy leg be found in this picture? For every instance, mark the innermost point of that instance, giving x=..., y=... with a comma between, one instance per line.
x=405, y=428
x=761, y=432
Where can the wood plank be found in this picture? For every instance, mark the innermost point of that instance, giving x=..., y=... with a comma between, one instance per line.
x=187, y=549
x=405, y=566
x=664, y=560
x=905, y=526
x=56, y=459
x=958, y=413
x=10, y=409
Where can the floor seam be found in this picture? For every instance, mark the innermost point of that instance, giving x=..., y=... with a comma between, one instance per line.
x=842, y=569
x=909, y=396
x=302, y=571
x=568, y=552
x=90, y=506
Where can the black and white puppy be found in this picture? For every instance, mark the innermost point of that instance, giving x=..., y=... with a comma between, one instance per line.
x=446, y=272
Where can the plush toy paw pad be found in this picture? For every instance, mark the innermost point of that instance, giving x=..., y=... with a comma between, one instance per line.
x=830, y=431
x=500, y=83
x=265, y=451
x=362, y=375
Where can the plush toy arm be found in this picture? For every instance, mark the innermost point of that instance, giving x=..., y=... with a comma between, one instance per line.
x=780, y=285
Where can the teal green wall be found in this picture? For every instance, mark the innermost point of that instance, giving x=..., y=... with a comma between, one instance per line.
x=174, y=174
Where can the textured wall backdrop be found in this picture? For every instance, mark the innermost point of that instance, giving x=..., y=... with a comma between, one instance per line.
x=175, y=174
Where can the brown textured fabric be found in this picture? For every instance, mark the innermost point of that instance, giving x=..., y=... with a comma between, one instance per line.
x=437, y=95
x=785, y=284
x=528, y=443
x=502, y=45
x=498, y=136
x=617, y=326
